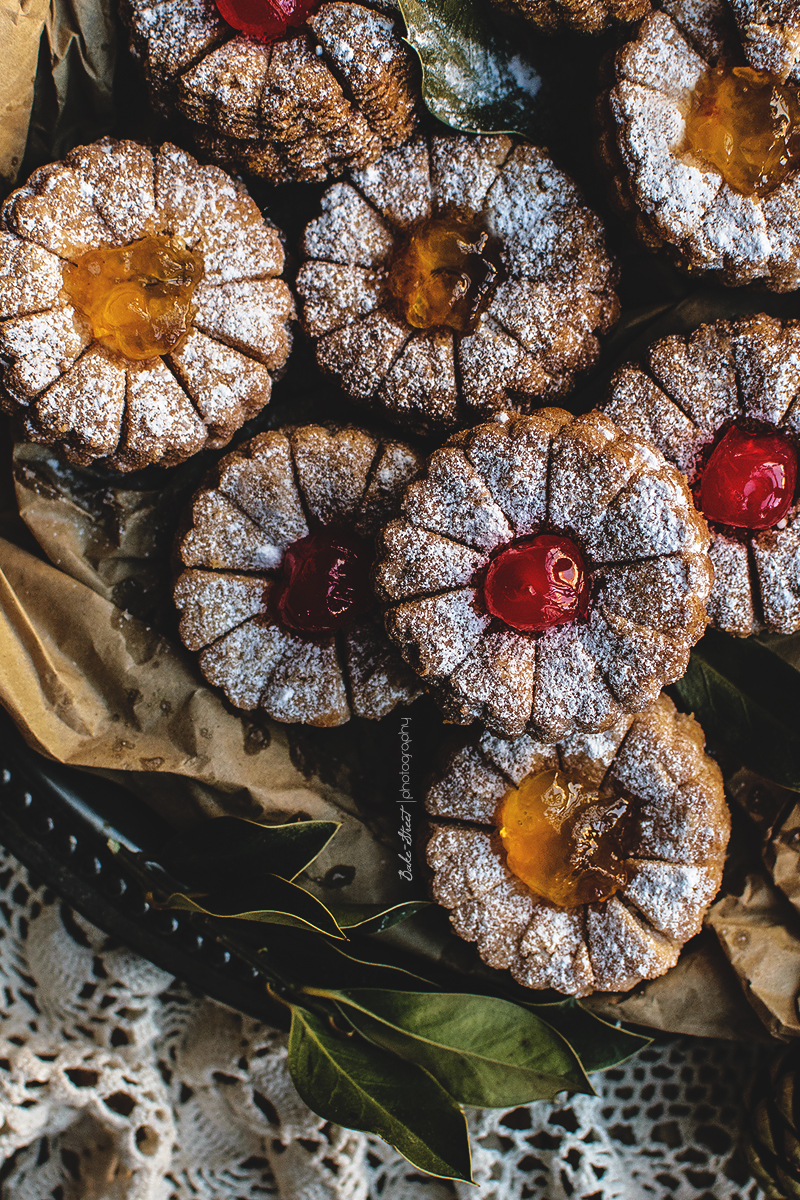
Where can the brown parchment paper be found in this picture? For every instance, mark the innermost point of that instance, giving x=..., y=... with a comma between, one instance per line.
x=93, y=673
x=21, y=23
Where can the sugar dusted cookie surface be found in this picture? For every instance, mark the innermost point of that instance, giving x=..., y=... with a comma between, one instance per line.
x=640, y=540
x=690, y=397
x=678, y=832
x=530, y=281
x=274, y=595
x=679, y=198
x=329, y=95
x=64, y=379
x=770, y=31
x=584, y=16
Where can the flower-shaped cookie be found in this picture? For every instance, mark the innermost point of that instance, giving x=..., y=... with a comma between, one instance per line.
x=586, y=16
x=119, y=225
x=275, y=593
x=705, y=156
x=771, y=34
x=546, y=574
x=456, y=275
x=331, y=94
x=639, y=837
x=723, y=405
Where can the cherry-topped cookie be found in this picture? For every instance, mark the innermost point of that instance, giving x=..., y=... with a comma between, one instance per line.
x=546, y=574
x=722, y=405
x=275, y=594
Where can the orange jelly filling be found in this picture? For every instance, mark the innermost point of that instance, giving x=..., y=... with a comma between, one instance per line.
x=747, y=125
x=567, y=843
x=445, y=273
x=137, y=298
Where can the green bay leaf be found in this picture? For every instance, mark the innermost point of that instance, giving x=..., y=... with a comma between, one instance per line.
x=747, y=699
x=473, y=78
x=485, y=1051
x=375, y=918
x=360, y=1086
x=597, y=1042
x=270, y=901
x=227, y=851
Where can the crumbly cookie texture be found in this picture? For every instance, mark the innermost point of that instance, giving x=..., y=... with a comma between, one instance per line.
x=675, y=791
x=330, y=95
x=69, y=391
x=540, y=328
x=770, y=32
x=677, y=200
x=586, y=16
x=263, y=497
x=630, y=514
x=680, y=398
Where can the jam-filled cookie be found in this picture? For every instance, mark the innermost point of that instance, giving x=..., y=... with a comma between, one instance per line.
x=141, y=314
x=454, y=276
x=723, y=405
x=275, y=592
x=586, y=865
x=585, y=16
x=770, y=32
x=546, y=574
x=301, y=96
x=705, y=151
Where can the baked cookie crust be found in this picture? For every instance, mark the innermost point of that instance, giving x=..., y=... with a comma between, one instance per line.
x=688, y=390
x=630, y=514
x=584, y=16
x=677, y=201
x=542, y=324
x=676, y=792
x=94, y=405
x=328, y=96
x=265, y=496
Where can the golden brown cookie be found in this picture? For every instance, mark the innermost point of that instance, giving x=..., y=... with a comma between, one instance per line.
x=705, y=153
x=329, y=95
x=455, y=276
x=722, y=404
x=275, y=593
x=635, y=824
x=770, y=32
x=585, y=16
x=123, y=246
x=546, y=574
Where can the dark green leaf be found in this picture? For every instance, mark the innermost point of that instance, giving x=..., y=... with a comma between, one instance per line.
x=229, y=851
x=312, y=961
x=347, y=1080
x=472, y=78
x=597, y=1043
x=483, y=1050
x=748, y=700
x=273, y=901
x=375, y=918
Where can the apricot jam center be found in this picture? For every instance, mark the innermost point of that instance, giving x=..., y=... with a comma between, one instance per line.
x=747, y=125
x=568, y=844
x=325, y=582
x=445, y=273
x=137, y=298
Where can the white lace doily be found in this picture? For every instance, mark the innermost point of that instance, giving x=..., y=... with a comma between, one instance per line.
x=118, y=1082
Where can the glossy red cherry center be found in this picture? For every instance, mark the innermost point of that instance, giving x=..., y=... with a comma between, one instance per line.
x=749, y=480
x=325, y=582
x=266, y=18
x=537, y=582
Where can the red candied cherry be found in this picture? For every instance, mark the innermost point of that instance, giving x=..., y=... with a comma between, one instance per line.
x=325, y=581
x=537, y=582
x=268, y=19
x=749, y=479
